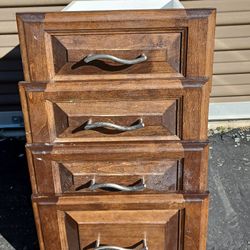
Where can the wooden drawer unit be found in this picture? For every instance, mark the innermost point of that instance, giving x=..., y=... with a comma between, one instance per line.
x=115, y=107
x=117, y=110
x=152, y=222
x=145, y=167
x=149, y=44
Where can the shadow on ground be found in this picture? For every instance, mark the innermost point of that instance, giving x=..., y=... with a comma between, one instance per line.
x=229, y=184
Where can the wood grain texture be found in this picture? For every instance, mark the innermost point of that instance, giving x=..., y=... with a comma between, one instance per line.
x=167, y=96
x=156, y=27
x=238, y=34
x=38, y=225
x=25, y=113
x=136, y=216
x=165, y=167
x=157, y=227
x=171, y=109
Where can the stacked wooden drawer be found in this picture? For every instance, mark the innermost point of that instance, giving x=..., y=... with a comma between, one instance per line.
x=115, y=107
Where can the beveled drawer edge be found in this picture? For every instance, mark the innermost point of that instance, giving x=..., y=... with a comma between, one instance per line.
x=153, y=200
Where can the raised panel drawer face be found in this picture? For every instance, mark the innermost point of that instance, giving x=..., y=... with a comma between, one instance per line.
x=135, y=222
x=115, y=176
x=162, y=52
x=127, y=229
x=159, y=119
x=113, y=168
x=125, y=44
x=117, y=111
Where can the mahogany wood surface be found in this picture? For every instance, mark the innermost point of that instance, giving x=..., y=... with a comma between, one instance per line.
x=167, y=95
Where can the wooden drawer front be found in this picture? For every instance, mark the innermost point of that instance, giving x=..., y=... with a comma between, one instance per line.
x=127, y=222
x=162, y=52
x=162, y=167
x=124, y=228
x=56, y=45
x=127, y=229
x=155, y=109
x=149, y=119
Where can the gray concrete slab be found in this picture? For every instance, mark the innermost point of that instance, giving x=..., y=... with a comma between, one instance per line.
x=4, y=244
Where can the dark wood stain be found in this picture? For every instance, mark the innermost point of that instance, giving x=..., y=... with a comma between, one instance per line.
x=169, y=92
